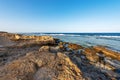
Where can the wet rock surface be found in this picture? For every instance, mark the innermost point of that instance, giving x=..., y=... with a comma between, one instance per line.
x=46, y=58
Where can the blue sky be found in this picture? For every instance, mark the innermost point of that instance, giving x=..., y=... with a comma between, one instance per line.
x=60, y=15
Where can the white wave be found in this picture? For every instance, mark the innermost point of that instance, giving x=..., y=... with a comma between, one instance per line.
x=56, y=34
x=59, y=34
x=110, y=36
x=51, y=34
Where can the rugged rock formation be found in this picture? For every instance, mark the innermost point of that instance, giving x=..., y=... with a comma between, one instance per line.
x=25, y=57
x=38, y=64
x=69, y=46
x=4, y=41
x=111, y=58
x=27, y=41
x=41, y=65
x=91, y=54
x=107, y=52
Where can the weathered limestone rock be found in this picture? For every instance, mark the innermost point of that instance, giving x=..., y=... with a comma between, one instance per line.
x=41, y=66
x=4, y=41
x=74, y=46
x=91, y=54
x=107, y=52
x=46, y=58
x=54, y=49
x=94, y=59
x=44, y=48
x=25, y=38
x=70, y=46
x=17, y=37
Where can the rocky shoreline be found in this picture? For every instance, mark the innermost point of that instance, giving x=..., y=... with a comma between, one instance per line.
x=45, y=58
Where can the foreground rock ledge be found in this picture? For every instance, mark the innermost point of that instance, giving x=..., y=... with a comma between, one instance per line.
x=41, y=66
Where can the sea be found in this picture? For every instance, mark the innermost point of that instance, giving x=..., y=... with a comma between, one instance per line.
x=109, y=40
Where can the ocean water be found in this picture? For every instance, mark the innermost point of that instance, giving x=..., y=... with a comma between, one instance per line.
x=109, y=40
